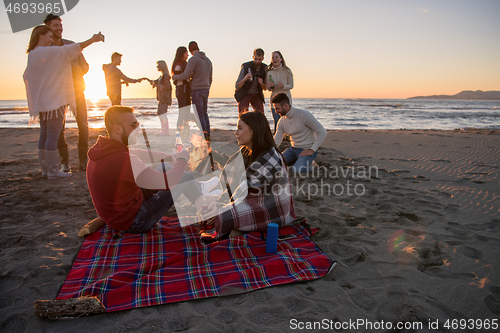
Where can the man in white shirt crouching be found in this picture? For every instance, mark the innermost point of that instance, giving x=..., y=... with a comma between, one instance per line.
x=305, y=131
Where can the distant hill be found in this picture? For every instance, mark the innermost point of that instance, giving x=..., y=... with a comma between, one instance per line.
x=466, y=94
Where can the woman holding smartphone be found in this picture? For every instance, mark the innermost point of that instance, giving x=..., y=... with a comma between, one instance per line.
x=49, y=88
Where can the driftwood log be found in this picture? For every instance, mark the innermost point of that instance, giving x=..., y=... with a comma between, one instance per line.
x=73, y=307
x=91, y=227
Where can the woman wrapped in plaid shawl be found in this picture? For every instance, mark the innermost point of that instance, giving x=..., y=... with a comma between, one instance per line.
x=257, y=184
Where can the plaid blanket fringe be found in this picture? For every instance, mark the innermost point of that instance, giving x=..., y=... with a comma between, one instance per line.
x=168, y=264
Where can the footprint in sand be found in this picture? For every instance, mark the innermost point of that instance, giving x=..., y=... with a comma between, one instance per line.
x=453, y=242
x=472, y=253
x=296, y=305
x=227, y=316
x=397, y=300
x=481, y=238
x=266, y=315
x=441, y=160
x=410, y=216
x=493, y=301
x=259, y=297
x=355, y=259
x=14, y=323
x=483, y=226
x=360, y=297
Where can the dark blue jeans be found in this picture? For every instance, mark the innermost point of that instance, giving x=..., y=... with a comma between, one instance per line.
x=50, y=128
x=155, y=207
x=199, y=98
x=151, y=211
x=81, y=121
x=300, y=164
x=276, y=117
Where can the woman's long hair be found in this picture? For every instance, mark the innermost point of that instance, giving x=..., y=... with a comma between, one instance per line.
x=283, y=63
x=179, y=57
x=35, y=36
x=262, y=138
x=162, y=65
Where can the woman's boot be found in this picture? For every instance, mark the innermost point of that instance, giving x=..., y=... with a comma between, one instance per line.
x=82, y=157
x=63, y=152
x=41, y=159
x=52, y=161
x=164, y=125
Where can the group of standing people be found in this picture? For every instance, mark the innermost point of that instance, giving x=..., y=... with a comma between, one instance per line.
x=255, y=76
x=305, y=131
x=192, y=80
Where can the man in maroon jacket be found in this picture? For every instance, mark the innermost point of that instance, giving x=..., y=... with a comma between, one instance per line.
x=114, y=172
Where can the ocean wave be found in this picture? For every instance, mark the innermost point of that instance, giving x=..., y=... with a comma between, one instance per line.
x=15, y=109
x=224, y=103
x=145, y=107
x=386, y=105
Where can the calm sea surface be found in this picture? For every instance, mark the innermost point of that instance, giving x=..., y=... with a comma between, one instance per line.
x=332, y=113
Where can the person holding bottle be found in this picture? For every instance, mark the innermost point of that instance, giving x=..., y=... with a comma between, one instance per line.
x=128, y=194
x=250, y=83
x=279, y=80
x=259, y=188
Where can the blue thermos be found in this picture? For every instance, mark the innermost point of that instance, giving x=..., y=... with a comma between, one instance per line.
x=272, y=238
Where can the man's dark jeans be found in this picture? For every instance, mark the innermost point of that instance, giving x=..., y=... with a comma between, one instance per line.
x=154, y=208
x=81, y=121
x=151, y=211
x=199, y=98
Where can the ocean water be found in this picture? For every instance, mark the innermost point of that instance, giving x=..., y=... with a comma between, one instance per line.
x=332, y=113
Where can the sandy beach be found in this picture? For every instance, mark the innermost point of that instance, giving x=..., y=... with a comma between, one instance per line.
x=411, y=217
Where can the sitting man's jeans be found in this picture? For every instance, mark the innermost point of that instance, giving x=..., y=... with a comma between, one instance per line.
x=300, y=164
x=154, y=208
x=151, y=211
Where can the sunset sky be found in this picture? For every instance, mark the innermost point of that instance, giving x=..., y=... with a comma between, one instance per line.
x=336, y=49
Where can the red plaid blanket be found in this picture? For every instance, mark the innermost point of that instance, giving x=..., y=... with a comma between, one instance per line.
x=168, y=264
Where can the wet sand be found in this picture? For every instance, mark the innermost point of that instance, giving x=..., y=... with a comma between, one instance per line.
x=411, y=217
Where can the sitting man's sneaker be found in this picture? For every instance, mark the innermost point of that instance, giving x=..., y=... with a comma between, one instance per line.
x=209, y=185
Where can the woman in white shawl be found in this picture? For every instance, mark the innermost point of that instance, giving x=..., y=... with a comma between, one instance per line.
x=49, y=89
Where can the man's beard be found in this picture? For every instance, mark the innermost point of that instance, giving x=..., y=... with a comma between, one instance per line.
x=124, y=139
x=130, y=140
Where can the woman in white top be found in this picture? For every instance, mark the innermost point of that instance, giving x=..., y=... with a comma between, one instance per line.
x=49, y=89
x=279, y=80
x=182, y=92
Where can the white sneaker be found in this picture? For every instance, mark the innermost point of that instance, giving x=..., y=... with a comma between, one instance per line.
x=215, y=192
x=209, y=185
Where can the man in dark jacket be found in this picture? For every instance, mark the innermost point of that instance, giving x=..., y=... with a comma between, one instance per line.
x=115, y=78
x=199, y=70
x=251, y=82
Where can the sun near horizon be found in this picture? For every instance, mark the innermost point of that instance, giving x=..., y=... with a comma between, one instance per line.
x=335, y=49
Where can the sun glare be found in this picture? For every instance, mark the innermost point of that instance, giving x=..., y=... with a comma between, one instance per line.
x=95, y=85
